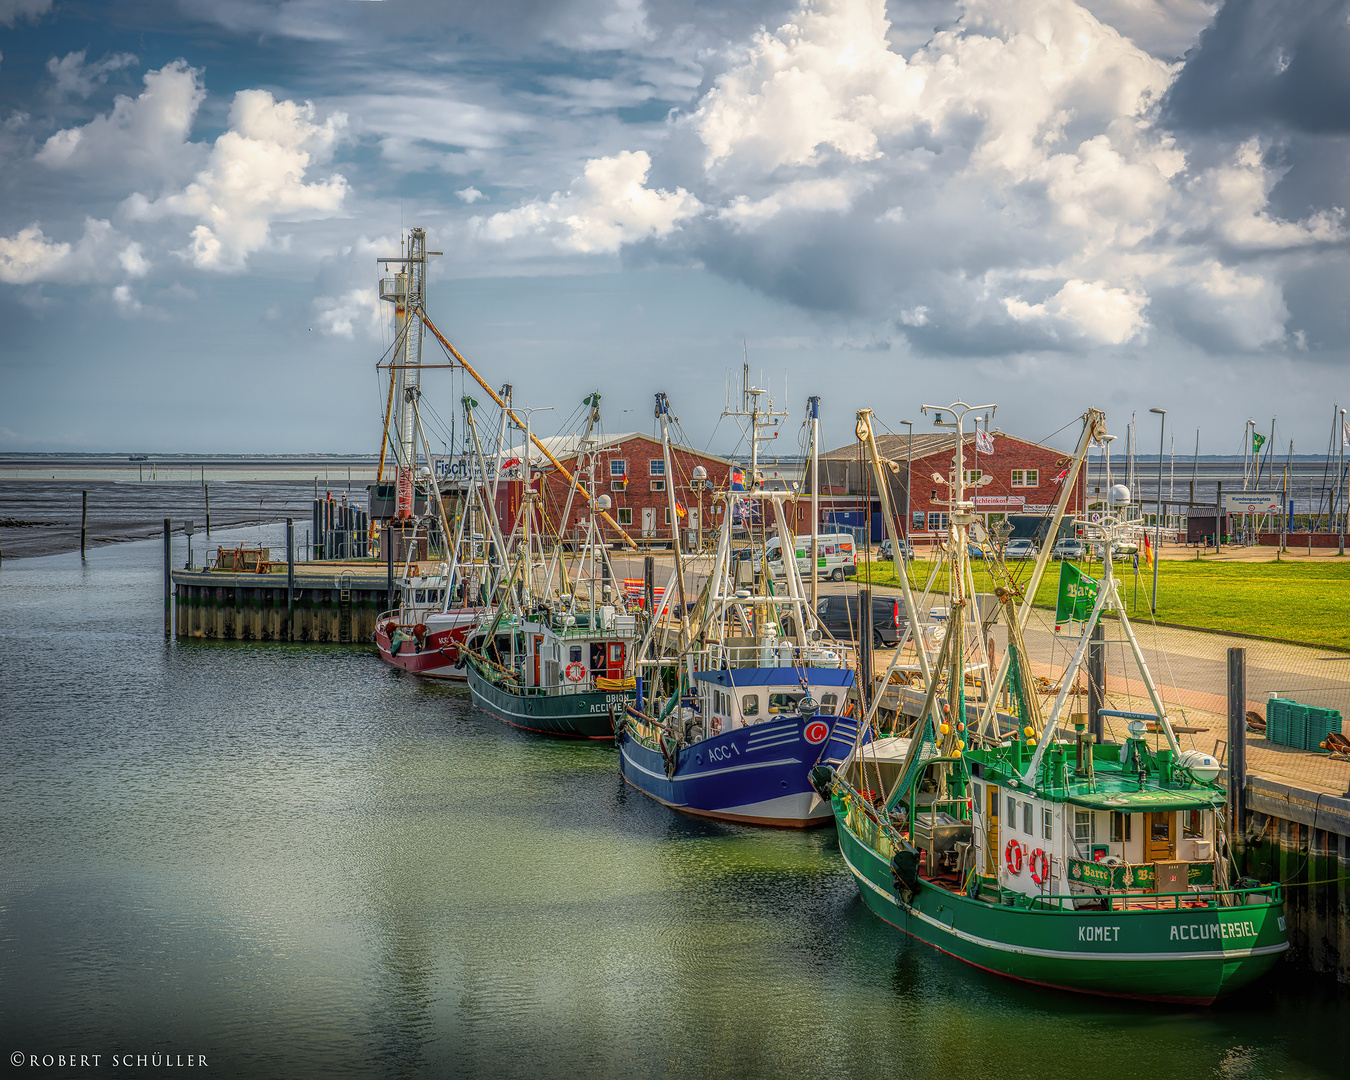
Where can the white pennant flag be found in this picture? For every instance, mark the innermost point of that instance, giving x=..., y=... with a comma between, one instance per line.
x=1345, y=433
x=984, y=442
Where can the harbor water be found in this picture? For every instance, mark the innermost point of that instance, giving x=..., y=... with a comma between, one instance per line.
x=294, y=861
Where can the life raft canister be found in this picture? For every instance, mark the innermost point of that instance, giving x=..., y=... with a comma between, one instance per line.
x=575, y=672
x=1012, y=857
x=1039, y=864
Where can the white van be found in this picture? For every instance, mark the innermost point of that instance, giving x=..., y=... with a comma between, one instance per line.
x=837, y=559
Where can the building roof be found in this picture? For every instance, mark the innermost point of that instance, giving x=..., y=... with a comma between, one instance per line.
x=926, y=443
x=568, y=446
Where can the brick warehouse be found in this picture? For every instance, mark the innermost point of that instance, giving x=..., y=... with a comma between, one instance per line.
x=1024, y=483
x=630, y=470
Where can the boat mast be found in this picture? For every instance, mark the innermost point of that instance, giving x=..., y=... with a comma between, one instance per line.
x=663, y=414
x=813, y=413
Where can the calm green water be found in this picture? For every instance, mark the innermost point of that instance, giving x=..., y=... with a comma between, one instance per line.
x=298, y=862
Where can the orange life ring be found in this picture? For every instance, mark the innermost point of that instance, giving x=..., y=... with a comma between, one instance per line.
x=575, y=672
x=1012, y=857
x=1039, y=865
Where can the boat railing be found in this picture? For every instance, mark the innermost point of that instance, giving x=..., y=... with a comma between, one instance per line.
x=774, y=653
x=1194, y=898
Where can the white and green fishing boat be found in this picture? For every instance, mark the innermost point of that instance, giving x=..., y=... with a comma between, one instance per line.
x=1031, y=849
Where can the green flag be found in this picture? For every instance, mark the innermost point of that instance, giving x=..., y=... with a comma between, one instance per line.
x=1077, y=595
x=1258, y=441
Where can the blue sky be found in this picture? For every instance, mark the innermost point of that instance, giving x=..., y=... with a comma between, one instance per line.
x=1044, y=203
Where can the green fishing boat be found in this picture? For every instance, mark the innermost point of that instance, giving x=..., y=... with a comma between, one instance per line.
x=1091, y=861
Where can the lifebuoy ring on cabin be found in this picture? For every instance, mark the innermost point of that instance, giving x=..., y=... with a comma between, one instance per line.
x=1039, y=865
x=575, y=672
x=1012, y=857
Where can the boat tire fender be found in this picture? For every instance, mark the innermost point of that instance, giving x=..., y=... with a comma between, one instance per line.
x=1039, y=864
x=1012, y=857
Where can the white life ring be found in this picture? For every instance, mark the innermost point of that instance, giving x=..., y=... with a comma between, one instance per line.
x=575, y=672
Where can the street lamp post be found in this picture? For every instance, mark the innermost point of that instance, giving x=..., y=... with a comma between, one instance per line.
x=909, y=483
x=1157, y=521
x=700, y=475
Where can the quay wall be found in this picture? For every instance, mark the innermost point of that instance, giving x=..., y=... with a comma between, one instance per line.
x=1301, y=839
x=336, y=605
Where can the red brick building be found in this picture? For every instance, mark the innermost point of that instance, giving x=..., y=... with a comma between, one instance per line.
x=1025, y=480
x=629, y=469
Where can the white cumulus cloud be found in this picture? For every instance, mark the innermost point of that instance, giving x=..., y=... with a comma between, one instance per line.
x=256, y=174
x=607, y=206
x=101, y=254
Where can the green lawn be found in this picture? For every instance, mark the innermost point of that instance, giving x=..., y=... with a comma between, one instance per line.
x=1293, y=601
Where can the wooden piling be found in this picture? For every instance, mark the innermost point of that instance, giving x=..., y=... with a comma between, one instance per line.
x=290, y=579
x=84, y=519
x=168, y=582
x=1237, y=740
x=206, y=488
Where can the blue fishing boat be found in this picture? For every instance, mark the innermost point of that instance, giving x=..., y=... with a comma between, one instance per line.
x=745, y=695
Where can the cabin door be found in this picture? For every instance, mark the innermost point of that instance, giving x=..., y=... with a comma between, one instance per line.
x=991, y=855
x=649, y=521
x=1160, y=842
x=615, y=667
x=538, y=648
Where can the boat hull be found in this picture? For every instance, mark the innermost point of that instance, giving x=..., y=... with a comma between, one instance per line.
x=1185, y=954
x=438, y=658
x=591, y=714
x=757, y=775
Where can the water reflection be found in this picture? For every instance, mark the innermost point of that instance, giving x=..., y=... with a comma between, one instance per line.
x=301, y=862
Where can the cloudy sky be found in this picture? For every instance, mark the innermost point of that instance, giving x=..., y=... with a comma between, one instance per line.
x=1046, y=204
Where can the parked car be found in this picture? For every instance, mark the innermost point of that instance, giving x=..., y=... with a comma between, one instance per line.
x=974, y=551
x=747, y=555
x=1069, y=548
x=839, y=613
x=1020, y=549
x=906, y=549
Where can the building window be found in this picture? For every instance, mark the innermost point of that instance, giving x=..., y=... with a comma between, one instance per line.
x=658, y=485
x=1120, y=827
x=973, y=475
x=1193, y=824
x=936, y=521
x=618, y=485
x=1047, y=824
x=749, y=704
x=1026, y=478
x=625, y=515
x=618, y=468
x=1026, y=818
x=656, y=467
x=667, y=515
x=1082, y=829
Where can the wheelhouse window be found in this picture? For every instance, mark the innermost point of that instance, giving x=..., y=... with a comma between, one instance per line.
x=749, y=704
x=1026, y=818
x=1120, y=827
x=1047, y=824
x=783, y=703
x=1193, y=824
x=1012, y=812
x=1082, y=829
x=828, y=704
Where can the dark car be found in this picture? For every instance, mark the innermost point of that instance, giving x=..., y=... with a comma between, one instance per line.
x=906, y=549
x=839, y=613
